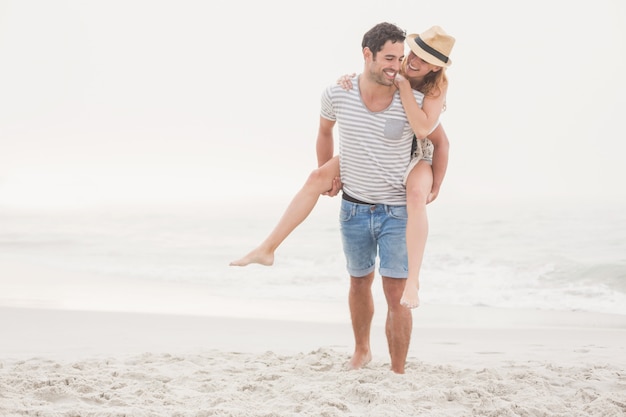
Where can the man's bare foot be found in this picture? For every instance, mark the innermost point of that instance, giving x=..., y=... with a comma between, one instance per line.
x=410, y=298
x=358, y=361
x=257, y=256
x=398, y=371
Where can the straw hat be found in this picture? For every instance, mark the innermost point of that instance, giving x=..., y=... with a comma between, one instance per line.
x=433, y=46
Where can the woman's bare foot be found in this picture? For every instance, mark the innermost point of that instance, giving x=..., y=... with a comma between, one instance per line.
x=257, y=256
x=410, y=297
x=359, y=360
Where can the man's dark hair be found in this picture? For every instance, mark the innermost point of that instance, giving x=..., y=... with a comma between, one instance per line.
x=377, y=37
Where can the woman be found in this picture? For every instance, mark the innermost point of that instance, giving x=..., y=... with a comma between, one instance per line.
x=422, y=70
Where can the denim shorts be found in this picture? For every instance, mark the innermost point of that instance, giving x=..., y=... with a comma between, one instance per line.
x=368, y=229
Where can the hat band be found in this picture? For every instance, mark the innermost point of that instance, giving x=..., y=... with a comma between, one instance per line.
x=430, y=50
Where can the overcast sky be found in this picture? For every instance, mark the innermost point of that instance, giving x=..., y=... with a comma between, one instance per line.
x=147, y=101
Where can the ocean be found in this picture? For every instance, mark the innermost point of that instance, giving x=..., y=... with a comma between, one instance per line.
x=546, y=257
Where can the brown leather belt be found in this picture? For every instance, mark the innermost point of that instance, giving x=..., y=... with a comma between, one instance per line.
x=352, y=199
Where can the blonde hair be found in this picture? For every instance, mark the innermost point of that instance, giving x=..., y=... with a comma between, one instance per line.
x=433, y=84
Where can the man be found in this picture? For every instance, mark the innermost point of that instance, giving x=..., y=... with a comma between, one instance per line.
x=374, y=147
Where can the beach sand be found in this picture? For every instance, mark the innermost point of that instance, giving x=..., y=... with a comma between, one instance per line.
x=463, y=361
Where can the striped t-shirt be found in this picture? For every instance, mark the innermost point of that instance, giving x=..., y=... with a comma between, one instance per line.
x=374, y=147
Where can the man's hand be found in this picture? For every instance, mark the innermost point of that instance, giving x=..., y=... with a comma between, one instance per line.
x=432, y=196
x=337, y=185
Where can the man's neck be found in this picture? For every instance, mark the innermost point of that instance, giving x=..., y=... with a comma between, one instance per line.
x=375, y=96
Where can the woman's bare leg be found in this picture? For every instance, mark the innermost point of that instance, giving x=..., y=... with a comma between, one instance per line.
x=319, y=181
x=418, y=186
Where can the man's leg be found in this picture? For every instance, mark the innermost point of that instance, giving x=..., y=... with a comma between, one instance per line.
x=361, y=304
x=399, y=323
x=359, y=247
x=393, y=269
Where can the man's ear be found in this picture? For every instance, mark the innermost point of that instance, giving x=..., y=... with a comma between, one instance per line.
x=367, y=53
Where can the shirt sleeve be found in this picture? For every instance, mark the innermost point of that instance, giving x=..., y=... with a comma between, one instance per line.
x=327, y=108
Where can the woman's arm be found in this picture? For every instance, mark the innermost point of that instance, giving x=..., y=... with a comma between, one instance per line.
x=422, y=119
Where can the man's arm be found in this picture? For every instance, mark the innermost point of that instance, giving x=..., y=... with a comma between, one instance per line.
x=325, y=145
x=440, y=160
x=325, y=151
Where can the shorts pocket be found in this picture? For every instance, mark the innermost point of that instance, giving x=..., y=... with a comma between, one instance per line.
x=397, y=212
x=346, y=213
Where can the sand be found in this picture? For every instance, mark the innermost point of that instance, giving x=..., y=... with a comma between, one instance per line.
x=79, y=363
x=464, y=361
